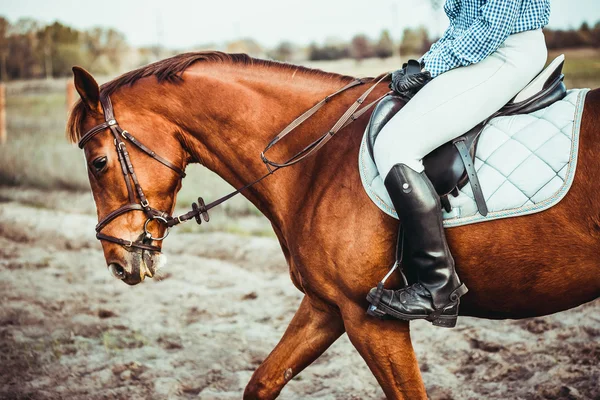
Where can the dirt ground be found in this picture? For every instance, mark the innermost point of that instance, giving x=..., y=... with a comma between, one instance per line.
x=68, y=330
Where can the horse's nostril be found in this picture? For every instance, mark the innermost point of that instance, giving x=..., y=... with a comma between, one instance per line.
x=117, y=271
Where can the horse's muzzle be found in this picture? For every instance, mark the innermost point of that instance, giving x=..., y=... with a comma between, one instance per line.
x=137, y=266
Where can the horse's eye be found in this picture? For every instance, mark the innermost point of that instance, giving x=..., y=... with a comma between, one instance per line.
x=99, y=163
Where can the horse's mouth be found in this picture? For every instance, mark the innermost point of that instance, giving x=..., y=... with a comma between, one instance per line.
x=151, y=262
x=138, y=265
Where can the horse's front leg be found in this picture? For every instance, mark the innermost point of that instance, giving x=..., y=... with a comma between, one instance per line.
x=310, y=333
x=387, y=349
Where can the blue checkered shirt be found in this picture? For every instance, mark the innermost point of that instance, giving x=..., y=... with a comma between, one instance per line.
x=478, y=27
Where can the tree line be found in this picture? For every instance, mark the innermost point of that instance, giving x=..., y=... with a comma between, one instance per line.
x=416, y=41
x=585, y=36
x=30, y=49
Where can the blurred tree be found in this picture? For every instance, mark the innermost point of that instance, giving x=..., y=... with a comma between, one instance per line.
x=385, y=45
x=105, y=49
x=313, y=52
x=115, y=46
x=29, y=49
x=283, y=52
x=66, y=55
x=414, y=41
x=596, y=35
x=46, y=46
x=585, y=27
x=248, y=46
x=4, y=28
x=361, y=47
x=23, y=61
x=566, y=39
x=327, y=52
x=52, y=41
x=585, y=33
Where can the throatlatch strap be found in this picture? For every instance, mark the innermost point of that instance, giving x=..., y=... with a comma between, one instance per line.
x=472, y=174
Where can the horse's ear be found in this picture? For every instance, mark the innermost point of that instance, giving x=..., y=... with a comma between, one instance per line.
x=88, y=89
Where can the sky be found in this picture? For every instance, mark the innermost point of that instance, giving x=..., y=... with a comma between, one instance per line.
x=184, y=24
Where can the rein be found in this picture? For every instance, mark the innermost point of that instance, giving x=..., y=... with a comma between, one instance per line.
x=200, y=210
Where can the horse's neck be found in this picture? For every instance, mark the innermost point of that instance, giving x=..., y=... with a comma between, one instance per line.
x=241, y=109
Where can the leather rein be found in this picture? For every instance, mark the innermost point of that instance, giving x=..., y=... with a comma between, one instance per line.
x=199, y=211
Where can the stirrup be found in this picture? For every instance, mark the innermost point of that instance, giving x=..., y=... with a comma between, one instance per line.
x=373, y=310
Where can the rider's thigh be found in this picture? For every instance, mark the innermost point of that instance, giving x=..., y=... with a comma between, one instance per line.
x=457, y=100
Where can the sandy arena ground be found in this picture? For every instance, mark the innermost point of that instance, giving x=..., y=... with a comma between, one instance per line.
x=68, y=330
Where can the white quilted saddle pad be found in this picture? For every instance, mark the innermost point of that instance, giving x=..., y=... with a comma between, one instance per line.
x=526, y=164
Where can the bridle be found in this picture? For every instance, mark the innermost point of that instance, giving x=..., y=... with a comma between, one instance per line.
x=135, y=193
x=134, y=189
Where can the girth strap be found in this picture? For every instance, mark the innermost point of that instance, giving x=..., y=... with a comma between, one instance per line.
x=472, y=173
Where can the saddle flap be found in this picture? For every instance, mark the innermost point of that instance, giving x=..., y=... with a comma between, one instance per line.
x=383, y=112
x=542, y=81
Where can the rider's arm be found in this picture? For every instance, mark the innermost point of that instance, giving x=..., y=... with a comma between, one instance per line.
x=479, y=40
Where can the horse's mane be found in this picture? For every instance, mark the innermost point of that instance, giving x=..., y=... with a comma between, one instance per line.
x=171, y=70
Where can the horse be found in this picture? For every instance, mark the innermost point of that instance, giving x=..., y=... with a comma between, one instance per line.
x=220, y=110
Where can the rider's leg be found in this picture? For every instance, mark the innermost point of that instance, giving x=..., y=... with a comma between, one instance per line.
x=448, y=106
x=436, y=295
x=457, y=100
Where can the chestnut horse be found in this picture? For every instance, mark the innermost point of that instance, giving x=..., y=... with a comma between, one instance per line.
x=221, y=110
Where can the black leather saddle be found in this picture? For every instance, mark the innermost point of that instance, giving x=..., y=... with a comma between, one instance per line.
x=451, y=166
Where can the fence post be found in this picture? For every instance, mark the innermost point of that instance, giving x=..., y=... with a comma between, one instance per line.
x=70, y=95
x=2, y=113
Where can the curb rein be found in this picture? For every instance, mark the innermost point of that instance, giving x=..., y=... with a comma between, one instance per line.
x=199, y=210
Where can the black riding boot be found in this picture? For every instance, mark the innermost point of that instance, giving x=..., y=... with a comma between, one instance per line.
x=436, y=296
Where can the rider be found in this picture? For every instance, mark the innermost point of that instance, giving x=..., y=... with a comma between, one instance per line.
x=491, y=50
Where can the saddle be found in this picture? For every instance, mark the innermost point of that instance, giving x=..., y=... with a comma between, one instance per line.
x=451, y=166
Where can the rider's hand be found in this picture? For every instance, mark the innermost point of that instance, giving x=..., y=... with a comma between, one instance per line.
x=408, y=85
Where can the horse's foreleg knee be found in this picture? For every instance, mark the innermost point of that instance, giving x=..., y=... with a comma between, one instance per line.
x=309, y=334
x=386, y=347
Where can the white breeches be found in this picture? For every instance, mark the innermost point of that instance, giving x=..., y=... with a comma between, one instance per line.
x=456, y=101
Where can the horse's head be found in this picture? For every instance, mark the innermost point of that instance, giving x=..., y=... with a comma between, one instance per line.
x=135, y=164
